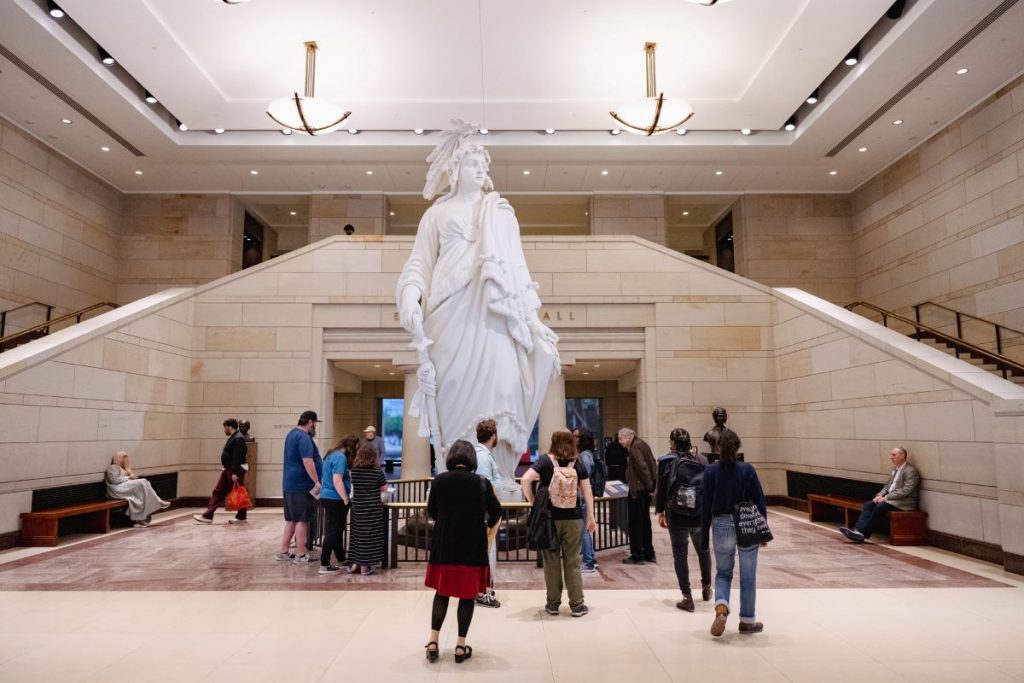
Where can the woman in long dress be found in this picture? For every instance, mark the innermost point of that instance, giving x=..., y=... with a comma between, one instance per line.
x=366, y=544
x=123, y=483
x=467, y=282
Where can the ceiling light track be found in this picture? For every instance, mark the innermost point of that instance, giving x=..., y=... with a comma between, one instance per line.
x=937, y=64
x=68, y=100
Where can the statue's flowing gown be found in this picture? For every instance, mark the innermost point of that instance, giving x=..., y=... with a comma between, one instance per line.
x=478, y=298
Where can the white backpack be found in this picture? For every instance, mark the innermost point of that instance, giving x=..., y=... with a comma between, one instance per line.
x=564, y=487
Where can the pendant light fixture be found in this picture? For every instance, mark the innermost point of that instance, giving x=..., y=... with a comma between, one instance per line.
x=654, y=113
x=308, y=114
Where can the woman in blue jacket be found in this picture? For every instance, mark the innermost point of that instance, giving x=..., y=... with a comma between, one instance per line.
x=726, y=483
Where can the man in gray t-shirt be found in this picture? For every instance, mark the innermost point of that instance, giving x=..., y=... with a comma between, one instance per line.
x=370, y=438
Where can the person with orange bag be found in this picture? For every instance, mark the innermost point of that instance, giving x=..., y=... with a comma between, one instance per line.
x=233, y=460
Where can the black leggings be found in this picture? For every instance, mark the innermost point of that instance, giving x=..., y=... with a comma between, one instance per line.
x=464, y=613
x=335, y=517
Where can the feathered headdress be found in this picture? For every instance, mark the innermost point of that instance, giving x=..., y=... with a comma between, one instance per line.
x=445, y=159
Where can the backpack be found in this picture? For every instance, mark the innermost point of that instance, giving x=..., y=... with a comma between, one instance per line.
x=563, y=490
x=540, y=527
x=684, y=487
x=599, y=477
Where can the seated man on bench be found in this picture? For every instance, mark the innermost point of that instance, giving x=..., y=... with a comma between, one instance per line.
x=899, y=493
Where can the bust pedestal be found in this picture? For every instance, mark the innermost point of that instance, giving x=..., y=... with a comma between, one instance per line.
x=250, y=477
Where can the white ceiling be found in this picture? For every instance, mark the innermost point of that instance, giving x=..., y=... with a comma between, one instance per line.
x=516, y=68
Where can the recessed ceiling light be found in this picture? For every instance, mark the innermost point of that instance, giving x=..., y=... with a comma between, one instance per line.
x=526, y=172
x=586, y=213
x=549, y=131
x=812, y=98
x=391, y=373
x=597, y=365
x=863, y=149
x=604, y=172
x=138, y=173
x=961, y=72
x=353, y=131
x=418, y=131
x=369, y=173
x=719, y=172
x=105, y=148
x=68, y=121
x=790, y=123
x=286, y=131
x=484, y=131
x=218, y=131
x=293, y=213
x=181, y=126
x=681, y=131
x=105, y=56
x=254, y=172
x=833, y=172
x=392, y=213
x=55, y=11
x=614, y=131
x=376, y=365
x=586, y=373
x=745, y=131
x=149, y=97
x=897, y=122
x=686, y=213
x=853, y=56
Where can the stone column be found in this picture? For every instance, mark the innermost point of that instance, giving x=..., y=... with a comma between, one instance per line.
x=552, y=412
x=415, y=448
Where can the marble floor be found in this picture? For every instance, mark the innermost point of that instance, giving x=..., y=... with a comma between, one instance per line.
x=105, y=609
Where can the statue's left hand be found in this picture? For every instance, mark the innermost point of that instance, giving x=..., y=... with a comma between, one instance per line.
x=543, y=332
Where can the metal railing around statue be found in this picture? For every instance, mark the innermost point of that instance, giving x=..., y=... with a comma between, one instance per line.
x=407, y=529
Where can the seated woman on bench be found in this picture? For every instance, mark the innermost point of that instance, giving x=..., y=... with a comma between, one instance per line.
x=124, y=484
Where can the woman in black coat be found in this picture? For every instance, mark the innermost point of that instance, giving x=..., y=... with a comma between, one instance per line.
x=463, y=506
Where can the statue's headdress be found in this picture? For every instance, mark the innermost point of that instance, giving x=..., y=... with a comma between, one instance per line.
x=447, y=156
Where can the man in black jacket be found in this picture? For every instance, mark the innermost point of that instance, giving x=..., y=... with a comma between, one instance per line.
x=233, y=460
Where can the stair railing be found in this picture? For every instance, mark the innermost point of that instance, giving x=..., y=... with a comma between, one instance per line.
x=960, y=315
x=3, y=314
x=1006, y=366
x=42, y=329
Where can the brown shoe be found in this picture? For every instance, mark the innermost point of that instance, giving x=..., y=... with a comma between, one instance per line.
x=718, y=625
x=686, y=604
x=756, y=627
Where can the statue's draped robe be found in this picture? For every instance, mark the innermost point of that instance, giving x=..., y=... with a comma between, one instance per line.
x=478, y=299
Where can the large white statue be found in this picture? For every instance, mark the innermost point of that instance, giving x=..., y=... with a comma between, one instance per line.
x=467, y=296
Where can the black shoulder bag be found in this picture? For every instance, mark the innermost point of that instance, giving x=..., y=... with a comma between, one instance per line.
x=751, y=526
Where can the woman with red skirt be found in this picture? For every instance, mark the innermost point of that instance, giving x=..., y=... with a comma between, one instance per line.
x=463, y=506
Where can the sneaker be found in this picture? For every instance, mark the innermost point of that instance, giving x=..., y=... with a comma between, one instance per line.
x=756, y=627
x=488, y=600
x=284, y=557
x=705, y=592
x=580, y=611
x=329, y=569
x=686, y=604
x=202, y=520
x=552, y=609
x=588, y=570
x=305, y=558
x=140, y=525
x=235, y=520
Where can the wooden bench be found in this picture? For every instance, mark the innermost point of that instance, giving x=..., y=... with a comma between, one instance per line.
x=905, y=528
x=40, y=528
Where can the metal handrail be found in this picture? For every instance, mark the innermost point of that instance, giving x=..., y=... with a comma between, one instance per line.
x=1004, y=364
x=3, y=314
x=959, y=322
x=45, y=327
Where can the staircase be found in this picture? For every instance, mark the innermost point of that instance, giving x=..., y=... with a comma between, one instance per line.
x=947, y=331
x=12, y=339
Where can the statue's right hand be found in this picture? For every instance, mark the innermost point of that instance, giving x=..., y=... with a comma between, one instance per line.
x=409, y=308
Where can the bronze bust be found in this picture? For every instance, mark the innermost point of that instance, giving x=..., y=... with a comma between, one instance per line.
x=711, y=437
x=243, y=426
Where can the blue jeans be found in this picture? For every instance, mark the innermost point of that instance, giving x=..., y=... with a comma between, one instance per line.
x=588, y=541
x=724, y=542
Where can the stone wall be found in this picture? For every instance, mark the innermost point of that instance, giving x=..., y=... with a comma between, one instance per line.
x=946, y=222
x=800, y=241
x=634, y=214
x=59, y=229
x=328, y=215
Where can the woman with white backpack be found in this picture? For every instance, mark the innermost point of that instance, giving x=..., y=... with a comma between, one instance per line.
x=565, y=478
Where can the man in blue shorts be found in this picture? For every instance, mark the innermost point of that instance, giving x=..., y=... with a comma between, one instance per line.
x=301, y=484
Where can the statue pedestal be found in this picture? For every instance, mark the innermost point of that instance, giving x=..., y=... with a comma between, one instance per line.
x=250, y=477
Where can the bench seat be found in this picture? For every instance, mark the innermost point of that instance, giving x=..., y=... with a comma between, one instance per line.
x=40, y=528
x=905, y=528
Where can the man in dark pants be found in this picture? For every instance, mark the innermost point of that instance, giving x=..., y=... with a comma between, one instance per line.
x=641, y=474
x=899, y=493
x=233, y=460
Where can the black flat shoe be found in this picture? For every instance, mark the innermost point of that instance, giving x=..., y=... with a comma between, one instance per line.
x=467, y=652
x=432, y=652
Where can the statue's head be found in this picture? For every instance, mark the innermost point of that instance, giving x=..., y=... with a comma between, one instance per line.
x=719, y=416
x=243, y=426
x=457, y=161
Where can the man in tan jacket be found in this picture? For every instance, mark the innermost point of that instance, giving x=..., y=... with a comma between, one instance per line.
x=642, y=477
x=899, y=493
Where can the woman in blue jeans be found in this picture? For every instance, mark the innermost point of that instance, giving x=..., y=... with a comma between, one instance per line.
x=726, y=483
